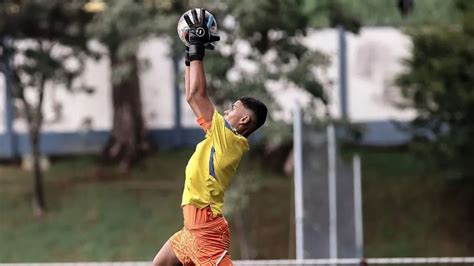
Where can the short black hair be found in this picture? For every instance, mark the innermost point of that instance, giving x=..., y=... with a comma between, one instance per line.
x=258, y=108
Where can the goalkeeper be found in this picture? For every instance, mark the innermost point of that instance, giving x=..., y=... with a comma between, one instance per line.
x=205, y=239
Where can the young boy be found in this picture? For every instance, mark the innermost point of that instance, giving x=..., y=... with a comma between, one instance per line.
x=205, y=239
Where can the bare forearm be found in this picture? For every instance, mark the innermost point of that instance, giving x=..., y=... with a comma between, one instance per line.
x=197, y=78
x=199, y=100
x=186, y=82
x=189, y=97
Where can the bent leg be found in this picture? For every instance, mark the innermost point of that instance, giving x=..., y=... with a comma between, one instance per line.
x=166, y=256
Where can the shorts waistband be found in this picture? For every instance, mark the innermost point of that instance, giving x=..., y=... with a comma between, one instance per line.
x=195, y=217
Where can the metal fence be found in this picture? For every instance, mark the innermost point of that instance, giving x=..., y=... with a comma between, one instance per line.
x=328, y=212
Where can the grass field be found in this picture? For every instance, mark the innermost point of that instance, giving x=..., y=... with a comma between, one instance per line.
x=98, y=214
x=410, y=209
x=93, y=214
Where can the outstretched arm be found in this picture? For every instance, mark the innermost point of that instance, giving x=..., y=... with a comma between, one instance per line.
x=196, y=93
x=195, y=79
x=186, y=86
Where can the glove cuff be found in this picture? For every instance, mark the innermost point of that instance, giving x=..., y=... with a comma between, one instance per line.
x=187, y=60
x=196, y=52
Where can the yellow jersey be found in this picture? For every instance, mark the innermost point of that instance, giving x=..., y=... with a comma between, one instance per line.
x=212, y=165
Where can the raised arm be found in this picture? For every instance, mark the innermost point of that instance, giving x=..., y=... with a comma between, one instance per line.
x=198, y=98
x=195, y=78
x=186, y=84
x=196, y=94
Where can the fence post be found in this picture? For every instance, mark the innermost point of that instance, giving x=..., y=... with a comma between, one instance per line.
x=298, y=181
x=332, y=190
x=343, y=71
x=177, y=127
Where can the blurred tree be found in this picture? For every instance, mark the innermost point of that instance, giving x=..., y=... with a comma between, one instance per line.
x=42, y=42
x=439, y=84
x=405, y=7
x=121, y=27
x=390, y=12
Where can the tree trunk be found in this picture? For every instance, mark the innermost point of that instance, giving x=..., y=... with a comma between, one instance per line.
x=39, y=204
x=128, y=136
x=35, y=120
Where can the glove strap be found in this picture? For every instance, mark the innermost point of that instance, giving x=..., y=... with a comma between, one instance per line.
x=187, y=62
x=196, y=52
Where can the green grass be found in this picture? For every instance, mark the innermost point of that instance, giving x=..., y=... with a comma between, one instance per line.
x=411, y=210
x=98, y=214
x=93, y=214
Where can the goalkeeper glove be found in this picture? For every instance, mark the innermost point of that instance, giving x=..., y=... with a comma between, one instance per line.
x=199, y=35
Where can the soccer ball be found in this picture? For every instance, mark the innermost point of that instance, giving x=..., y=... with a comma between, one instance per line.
x=183, y=27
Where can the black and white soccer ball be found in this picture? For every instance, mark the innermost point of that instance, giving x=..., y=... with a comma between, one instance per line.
x=183, y=27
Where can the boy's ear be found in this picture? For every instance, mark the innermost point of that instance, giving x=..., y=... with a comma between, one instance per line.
x=244, y=120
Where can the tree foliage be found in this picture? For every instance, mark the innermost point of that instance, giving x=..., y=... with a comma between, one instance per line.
x=125, y=24
x=121, y=28
x=386, y=13
x=439, y=84
x=42, y=42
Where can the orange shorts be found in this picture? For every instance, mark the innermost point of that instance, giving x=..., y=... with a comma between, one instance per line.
x=204, y=239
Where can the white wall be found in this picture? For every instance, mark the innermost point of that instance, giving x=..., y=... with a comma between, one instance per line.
x=373, y=61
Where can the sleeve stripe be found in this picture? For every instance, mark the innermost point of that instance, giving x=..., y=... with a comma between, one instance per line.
x=211, y=163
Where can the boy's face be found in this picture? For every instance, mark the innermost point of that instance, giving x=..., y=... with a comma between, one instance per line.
x=237, y=115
